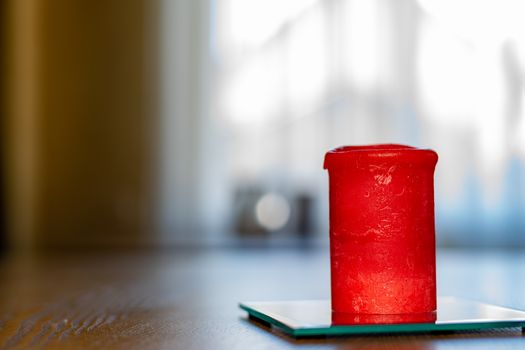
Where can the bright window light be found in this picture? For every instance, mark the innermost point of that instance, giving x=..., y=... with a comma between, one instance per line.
x=448, y=77
x=252, y=94
x=361, y=41
x=487, y=21
x=252, y=22
x=305, y=62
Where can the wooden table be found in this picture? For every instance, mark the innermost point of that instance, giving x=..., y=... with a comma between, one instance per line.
x=187, y=298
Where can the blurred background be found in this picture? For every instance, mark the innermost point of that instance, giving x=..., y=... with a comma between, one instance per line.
x=205, y=122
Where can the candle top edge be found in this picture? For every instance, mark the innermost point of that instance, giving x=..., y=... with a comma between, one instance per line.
x=368, y=148
x=380, y=152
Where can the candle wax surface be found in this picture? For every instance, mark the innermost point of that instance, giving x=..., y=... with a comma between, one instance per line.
x=382, y=235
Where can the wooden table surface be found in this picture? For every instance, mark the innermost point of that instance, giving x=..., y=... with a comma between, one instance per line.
x=187, y=299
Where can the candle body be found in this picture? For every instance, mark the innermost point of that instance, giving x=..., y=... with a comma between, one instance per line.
x=382, y=235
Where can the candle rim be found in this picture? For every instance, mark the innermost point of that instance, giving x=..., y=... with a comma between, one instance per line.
x=379, y=152
x=373, y=147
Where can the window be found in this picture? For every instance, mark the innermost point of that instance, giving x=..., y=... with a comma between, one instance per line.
x=297, y=78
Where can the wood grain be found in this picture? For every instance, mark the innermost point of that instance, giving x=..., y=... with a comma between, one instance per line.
x=187, y=299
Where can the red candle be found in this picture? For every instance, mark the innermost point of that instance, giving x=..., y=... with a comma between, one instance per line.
x=382, y=235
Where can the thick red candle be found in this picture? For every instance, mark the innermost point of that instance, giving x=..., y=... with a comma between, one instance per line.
x=382, y=235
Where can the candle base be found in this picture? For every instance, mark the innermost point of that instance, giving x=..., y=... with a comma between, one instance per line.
x=339, y=318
